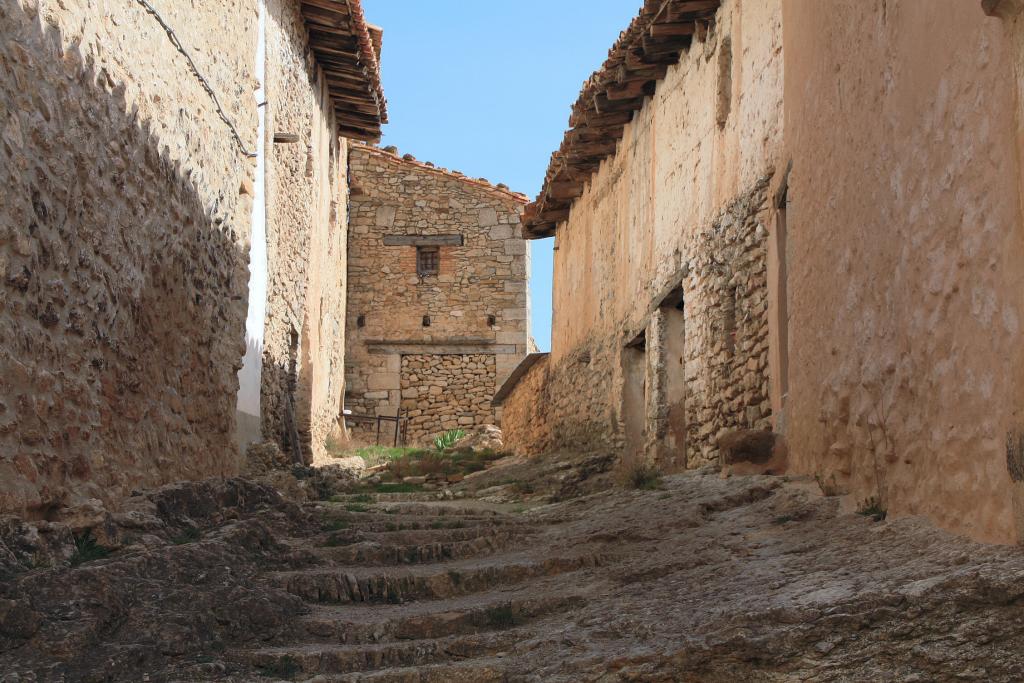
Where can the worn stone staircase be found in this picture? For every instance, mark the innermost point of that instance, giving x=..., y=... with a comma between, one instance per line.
x=409, y=588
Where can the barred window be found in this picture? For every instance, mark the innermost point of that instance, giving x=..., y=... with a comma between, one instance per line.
x=428, y=260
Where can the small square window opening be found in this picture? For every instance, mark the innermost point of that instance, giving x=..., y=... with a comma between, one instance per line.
x=428, y=261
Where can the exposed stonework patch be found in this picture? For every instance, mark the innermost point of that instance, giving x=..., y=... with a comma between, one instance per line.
x=578, y=402
x=441, y=392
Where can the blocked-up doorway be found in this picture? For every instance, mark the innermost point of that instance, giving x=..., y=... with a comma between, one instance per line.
x=446, y=391
x=634, y=396
x=673, y=350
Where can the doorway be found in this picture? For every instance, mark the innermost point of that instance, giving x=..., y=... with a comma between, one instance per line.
x=634, y=396
x=673, y=320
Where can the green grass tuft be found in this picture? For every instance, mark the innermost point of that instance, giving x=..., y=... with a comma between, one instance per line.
x=86, y=549
x=872, y=507
x=190, y=535
x=286, y=667
x=501, y=617
x=643, y=477
x=334, y=525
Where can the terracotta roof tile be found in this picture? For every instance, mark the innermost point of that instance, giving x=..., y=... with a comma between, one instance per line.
x=609, y=98
x=409, y=160
x=348, y=53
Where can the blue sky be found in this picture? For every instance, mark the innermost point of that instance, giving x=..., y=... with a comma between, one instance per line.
x=485, y=86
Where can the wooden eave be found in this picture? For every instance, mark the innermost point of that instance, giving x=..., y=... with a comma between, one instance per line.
x=609, y=99
x=347, y=53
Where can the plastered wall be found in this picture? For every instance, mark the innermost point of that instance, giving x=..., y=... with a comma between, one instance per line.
x=482, y=274
x=683, y=203
x=307, y=200
x=906, y=275
x=123, y=235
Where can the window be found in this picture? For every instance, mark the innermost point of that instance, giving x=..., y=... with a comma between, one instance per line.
x=426, y=321
x=492, y=320
x=428, y=261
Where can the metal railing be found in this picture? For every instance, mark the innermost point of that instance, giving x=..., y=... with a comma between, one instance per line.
x=400, y=421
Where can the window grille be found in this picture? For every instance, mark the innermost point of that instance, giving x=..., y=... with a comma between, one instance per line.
x=428, y=260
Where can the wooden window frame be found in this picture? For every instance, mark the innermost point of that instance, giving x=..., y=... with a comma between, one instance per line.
x=428, y=261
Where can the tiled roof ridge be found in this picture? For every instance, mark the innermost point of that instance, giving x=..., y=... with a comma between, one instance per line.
x=410, y=160
x=608, y=99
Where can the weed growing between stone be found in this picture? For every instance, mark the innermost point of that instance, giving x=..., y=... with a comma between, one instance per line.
x=286, y=667
x=500, y=617
x=190, y=535
x=86, y=549
x=642, y=477
x=335, y=525
x=445, y=441
x=872, y=507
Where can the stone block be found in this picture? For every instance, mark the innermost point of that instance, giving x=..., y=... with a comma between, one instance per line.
x=488, y=217
x=383, y=381
x=385, y=217
x=501, y=232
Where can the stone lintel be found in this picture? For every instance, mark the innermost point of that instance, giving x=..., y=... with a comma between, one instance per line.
x=450, y=348
x=423, y=240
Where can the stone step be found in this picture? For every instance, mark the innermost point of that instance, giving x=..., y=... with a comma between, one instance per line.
x=353, y=624
x=481, y=670
x=425, y=582
x=421, y=508
x=329, y=658
x=374, y=521
x=370, y=552
x=404, y=497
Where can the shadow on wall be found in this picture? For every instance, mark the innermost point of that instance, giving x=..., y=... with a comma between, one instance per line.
x=123, y=295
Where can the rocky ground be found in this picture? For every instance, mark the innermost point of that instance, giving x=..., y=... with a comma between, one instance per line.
x=540, y=573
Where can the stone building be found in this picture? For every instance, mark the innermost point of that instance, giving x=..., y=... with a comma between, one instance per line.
x=129, y=143
x=437, y=293
x=801, y=216
x=317, y=99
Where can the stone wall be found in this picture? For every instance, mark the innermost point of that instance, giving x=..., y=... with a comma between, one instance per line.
x=307, y=199
x=123, y=242
x=662, y=314
x=906, y=278
x=721, y=364
x=442, y=392
x=477, y=302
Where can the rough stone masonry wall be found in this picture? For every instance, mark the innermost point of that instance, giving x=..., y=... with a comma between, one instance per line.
x=307, y=188
x=442, y=392
x=123, y=234
x=485, y=276
x=560, y=408
x=725, y=364
x=726, y=311
x=681, y=204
